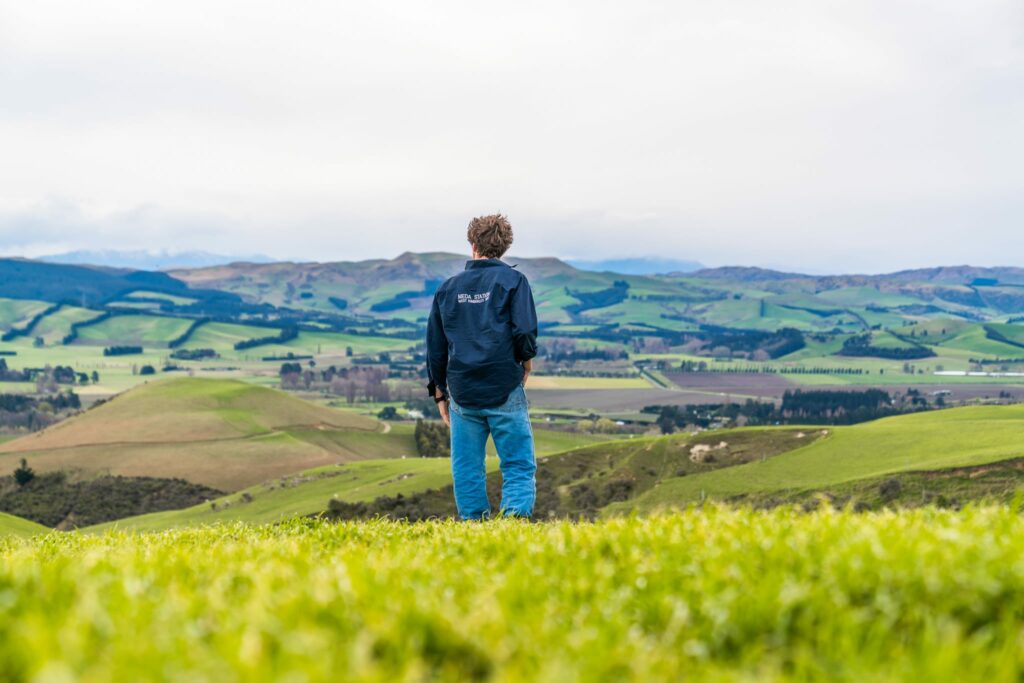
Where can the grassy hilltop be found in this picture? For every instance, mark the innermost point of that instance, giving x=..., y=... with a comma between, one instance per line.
x=934, y=441
x=221, y=433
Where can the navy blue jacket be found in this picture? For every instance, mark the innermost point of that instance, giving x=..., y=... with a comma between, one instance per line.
x=482, y=328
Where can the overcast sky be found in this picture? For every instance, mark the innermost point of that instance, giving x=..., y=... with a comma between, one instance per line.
x=821, y=135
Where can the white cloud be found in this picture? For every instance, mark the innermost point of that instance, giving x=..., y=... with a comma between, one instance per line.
x=864, y=135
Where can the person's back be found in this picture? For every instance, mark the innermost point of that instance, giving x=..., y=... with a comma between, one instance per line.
x=481, y=339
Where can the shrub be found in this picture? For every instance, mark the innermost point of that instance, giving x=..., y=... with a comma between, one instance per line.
x=24, y=474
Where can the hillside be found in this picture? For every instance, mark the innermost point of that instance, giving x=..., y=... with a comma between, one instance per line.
x=932, y=441
x=946, y=457
x=85, y=285
x=221, y=433
x=16, y=526
x=571, y=483
x=744, y=297
x=363, y=481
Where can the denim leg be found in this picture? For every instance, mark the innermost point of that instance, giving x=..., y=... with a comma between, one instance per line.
x=513, y=438
x=469, y=474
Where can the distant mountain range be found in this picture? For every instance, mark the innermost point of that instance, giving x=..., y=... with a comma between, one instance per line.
x=150, y=260
x=400, y=290
x=638, y=266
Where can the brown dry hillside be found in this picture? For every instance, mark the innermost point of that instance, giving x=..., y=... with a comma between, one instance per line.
x=220, y=433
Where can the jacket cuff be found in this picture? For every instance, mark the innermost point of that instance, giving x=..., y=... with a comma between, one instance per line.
x=432, y=390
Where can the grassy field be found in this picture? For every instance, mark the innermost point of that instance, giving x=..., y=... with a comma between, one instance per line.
x=303, y=494
x=711, y=595
x=924, y=441
x=973, y=339
x=14, y=313
x=144, y=330
x=604, y=383
x=16, y=526
x=53, y=328
x=308, y=492
x=222, y=433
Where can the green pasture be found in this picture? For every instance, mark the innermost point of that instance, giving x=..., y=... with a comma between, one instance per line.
x=923, y=441
x=53, y=328
x=127, y=330
x=16, y=313
x=18, y=527
x=304, y=493
x=973, y=340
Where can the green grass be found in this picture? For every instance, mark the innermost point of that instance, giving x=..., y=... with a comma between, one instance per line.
x=53, y=328
x=550, y=441
x=308, y=492
x=304, y=493
x=1014, y=333
x=887, y=340
x=337, y=343
x=973, y=339
x=16, y=526
x=224, y=336
x=223, y=433
x=17, y=312
x=924, y=441
x=711, y=595
x=134, y=329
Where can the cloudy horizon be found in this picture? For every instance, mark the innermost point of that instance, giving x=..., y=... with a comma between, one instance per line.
x=819, y=137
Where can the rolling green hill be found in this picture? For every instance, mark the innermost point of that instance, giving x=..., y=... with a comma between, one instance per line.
x=952, y=455
x=570, y=483
x=16, y=526
x=308, y=492
x=921, y=442
x=142, y=330
x=221, y=433
x=304, y=493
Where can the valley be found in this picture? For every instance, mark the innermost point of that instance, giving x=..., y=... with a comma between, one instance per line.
x=295, y=389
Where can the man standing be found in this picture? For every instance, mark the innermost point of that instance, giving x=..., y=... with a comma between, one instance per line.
x=481, y=339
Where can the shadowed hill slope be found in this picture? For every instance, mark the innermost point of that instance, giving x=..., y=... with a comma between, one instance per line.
x=221, y=433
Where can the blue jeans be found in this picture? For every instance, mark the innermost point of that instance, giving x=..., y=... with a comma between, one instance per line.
x=509, y=424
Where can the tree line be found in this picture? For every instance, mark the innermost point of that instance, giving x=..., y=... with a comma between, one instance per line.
x=818, y=407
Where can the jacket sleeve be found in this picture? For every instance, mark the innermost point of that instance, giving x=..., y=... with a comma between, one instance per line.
x=524, y=322
x=437, y=351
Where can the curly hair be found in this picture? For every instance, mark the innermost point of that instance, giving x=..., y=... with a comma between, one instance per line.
x=491, y=235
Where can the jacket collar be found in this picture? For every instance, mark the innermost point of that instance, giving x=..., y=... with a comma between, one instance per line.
x=484, y=263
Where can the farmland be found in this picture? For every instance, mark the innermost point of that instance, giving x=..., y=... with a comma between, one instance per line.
x=589, y=476
x=926, y=441
x=610, y=339
x=285, y=396
x=717, y=594
x=346, y=339
x=222, y=433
